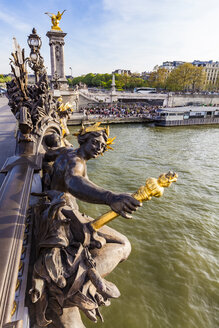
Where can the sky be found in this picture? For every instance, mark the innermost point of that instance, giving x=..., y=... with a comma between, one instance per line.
x=104, y=35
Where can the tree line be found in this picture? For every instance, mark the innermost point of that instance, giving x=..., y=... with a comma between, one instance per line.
x=123, y=82
x=185, y=77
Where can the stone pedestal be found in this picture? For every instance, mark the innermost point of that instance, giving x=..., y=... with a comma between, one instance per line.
x=113, y=97
x=56, y=42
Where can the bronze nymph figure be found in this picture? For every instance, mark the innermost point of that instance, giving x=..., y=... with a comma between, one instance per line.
x=72, y=257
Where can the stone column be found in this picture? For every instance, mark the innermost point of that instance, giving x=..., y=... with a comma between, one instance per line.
x=52, y=59
x=113, y=95
x=113, y=85
x=56, y=42
x=63, y=62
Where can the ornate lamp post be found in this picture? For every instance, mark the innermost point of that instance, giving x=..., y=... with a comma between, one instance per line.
x=35, y=59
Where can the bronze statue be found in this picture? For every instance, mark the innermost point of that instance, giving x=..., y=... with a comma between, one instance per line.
x=74, y=252
x=55, y=20
x=72, y=258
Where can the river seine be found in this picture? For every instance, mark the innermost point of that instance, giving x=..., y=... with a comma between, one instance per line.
x=171, y=278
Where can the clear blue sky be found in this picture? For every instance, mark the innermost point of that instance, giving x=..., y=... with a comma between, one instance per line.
x=103, y=35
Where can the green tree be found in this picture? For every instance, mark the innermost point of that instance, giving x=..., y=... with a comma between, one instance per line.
x=186, y=77
x=158, y=78
x=97, y=80
x=75, y=80
x=105, y=81
x=129, y=82
x=123, y=79
x=119, y=85
x=135, y=82
x=198, y=76
x=107, y=77
x=88, y=78
x=217, y=84
x=106, y=85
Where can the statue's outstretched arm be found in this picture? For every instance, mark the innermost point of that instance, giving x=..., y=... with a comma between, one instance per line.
x=85, y=190
x=82, y=188
x=153, y=187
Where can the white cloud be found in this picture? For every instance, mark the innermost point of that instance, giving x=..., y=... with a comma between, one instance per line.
x=129, y=34
x=14, y=21
x=144, y=31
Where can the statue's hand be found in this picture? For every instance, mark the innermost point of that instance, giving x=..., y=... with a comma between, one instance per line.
x=124, y=204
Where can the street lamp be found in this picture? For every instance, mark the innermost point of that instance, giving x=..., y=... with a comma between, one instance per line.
x=35, y=60
x=34, y=41
x=71, y=71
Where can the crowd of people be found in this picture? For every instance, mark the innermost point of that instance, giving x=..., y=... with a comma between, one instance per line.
x=118, y=110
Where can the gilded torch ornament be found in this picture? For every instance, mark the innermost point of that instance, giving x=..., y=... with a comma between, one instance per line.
x=153, y=187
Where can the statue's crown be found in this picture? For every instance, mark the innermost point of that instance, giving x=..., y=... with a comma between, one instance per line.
x=96, y=128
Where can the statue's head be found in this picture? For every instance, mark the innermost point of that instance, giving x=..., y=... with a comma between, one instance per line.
x=93, y=143
x=94, y=140
x=52, y=140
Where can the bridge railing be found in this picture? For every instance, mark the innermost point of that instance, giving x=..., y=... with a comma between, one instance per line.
x=15, y=227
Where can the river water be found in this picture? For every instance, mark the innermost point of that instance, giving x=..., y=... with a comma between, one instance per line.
x=171, y=278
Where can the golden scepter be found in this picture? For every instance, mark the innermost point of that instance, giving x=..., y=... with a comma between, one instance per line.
x=153, y=187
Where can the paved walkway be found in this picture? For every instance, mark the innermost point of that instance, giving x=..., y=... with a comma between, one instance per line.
x=7, y=128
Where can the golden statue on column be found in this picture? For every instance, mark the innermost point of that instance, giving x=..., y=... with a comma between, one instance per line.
x=55, y=20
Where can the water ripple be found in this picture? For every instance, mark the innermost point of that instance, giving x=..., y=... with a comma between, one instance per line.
x=171, y=279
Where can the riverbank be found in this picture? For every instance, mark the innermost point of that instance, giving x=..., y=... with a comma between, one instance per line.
x=91, y=119
x=79, y=118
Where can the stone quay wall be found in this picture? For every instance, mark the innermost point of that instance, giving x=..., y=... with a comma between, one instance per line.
x=167, y=99
x=192, y=99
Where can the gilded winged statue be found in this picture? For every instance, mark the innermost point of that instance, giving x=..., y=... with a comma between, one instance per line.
x=55, y=20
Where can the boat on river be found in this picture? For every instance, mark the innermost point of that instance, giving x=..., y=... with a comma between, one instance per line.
x=188, y=115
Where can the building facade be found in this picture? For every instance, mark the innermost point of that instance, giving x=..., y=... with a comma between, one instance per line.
x=211, y=69
x=171, y=65
x=122, y=72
